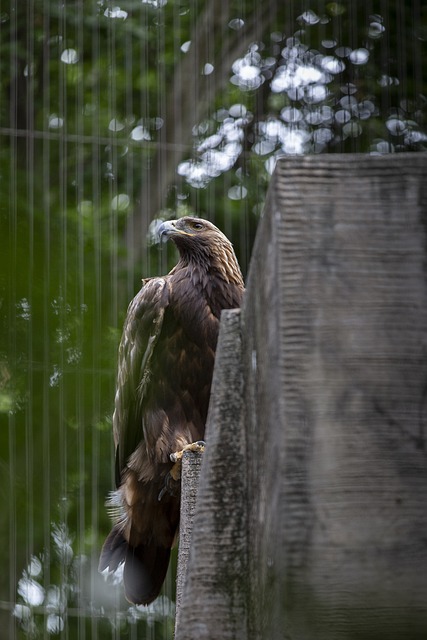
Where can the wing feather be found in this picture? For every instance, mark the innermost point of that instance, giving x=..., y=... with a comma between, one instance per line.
x=141, y=332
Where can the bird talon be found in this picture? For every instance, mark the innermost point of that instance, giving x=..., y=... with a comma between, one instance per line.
x=171, y=484
x=198, y=447
x=162, y=492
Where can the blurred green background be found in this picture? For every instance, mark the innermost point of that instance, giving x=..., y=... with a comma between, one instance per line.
x=112, y=116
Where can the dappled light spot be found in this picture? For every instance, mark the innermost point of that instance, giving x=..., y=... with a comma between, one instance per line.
x=396, y=126
x=332, y=65
x=295, y=75
x=236, y=24
x=55, y=122
x=157, y=4
x=386, y=81
x=31, y=591
x=69, y=56
x=54, y=623
x=237, y=192
x=263, y=147
x=208, y=69
x=352, y=129
x=329, y=44
x=74, y=355
x=247, y=71
x=376, y=30
x=309, y=17
x=116, y=125
x=120, y=202
x=359, y=56
x=291, y=114
x=140, y=133
x=85, y=208
x=195, y=173
x=23, y=309
x=322, y=135
x=382, y=146
x=22, y=612
x=237, y=110
x=316, y=93
x=116, y=12
x=348, y=102
x=342, y=116
x=55, y=377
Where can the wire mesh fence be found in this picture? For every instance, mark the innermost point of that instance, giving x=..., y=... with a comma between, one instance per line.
x=114, y=115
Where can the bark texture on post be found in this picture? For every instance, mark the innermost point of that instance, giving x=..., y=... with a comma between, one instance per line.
x=312, y=526
x=213, y=603
x=190, y=474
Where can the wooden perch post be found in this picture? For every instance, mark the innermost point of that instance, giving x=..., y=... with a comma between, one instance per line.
x=312, y=508
x=190, y=473
x=219, y=541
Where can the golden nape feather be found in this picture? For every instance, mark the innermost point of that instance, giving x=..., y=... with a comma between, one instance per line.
x=165, y=367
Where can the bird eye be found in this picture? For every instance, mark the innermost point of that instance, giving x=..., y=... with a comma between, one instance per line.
x=197, y=225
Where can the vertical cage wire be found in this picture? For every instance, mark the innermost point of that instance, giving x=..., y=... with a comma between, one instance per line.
x=12, y=316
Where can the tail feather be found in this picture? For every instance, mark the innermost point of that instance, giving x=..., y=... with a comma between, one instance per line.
x=144, y=572
x=113, y=551
x=145, y=566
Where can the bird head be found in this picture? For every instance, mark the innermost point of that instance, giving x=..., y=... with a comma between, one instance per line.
x=186, y=226
x=201, y=242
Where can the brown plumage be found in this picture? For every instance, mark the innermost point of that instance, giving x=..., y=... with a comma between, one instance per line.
x=166, y=359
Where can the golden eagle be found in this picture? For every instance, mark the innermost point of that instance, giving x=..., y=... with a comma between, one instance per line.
x=166, y=359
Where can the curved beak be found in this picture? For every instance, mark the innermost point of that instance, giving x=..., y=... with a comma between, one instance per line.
x=167, y=228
